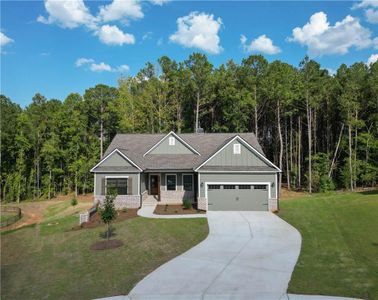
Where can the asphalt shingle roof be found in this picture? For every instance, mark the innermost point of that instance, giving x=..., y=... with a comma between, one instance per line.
x=135, y=145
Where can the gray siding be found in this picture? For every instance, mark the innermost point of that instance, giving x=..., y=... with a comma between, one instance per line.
x=227, y=158
x=116, y=160
x=165, y=148
x=100, y=178
x=237, y=177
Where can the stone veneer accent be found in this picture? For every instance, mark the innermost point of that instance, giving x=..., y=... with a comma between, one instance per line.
x=175, y=197
x=128, y=201
x=144, y=195
x=273, y=205
x=202, y=203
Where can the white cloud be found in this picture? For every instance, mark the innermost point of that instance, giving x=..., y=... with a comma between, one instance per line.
x=100, y=67
x=4, y=40
x=112, y=35
x=147, y=36
x=323, y=39
x=372, y=15
x=198, y=30
x=123, y=68
x=67, y=14
x=371, y=10
x=83, y=61
x=159, y=2
x=261, y=44
x=366, y=3
x=121, y=9
x=372, y=59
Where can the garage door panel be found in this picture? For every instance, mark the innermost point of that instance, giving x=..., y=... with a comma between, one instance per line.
x=221, y=198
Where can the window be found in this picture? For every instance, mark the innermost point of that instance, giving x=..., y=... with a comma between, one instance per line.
x=214, y=187
x=171, y=182
x=260, y=187
x=117, y=185
x=237, y=149
x=187, y=182
x=229, y=187
x=244, y=187
x=171, y=141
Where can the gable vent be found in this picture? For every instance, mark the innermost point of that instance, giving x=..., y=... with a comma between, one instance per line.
x=172, y=141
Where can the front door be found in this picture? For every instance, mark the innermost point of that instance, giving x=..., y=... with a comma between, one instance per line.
x=154, y=185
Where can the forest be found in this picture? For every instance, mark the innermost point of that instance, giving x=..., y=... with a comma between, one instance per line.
x=319, y=128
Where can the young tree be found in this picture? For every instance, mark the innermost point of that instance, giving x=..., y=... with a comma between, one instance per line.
x=107, y=212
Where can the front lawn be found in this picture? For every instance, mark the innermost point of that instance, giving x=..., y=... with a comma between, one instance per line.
x=51, y=261
x=339, y=254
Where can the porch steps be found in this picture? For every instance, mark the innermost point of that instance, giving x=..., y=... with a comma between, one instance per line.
x=150, y=201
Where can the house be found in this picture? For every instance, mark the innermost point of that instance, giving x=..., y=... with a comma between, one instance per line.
x=218, y=171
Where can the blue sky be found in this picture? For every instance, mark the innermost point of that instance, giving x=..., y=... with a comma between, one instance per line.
x=42, y=42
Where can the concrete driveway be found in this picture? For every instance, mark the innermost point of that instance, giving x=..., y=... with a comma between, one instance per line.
x=247, y=255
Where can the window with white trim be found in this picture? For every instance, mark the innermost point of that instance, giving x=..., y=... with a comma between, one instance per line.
x=116, y=185
x=187, y=182
x=171, y=141
x=171, y=182
x=237, y=148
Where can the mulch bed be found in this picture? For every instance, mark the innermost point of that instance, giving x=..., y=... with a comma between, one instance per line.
x=176, y=210
x=95, y=220
x=104, y=245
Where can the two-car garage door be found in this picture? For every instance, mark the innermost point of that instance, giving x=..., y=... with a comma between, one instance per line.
x=237, y=197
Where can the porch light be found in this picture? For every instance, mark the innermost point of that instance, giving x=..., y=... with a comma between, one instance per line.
x=201, y=184
x=273, y=184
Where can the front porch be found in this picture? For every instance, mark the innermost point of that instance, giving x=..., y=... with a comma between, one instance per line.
x=168, y=187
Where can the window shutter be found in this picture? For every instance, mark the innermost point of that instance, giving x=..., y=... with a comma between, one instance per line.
x=102, y=186
x=130, y=186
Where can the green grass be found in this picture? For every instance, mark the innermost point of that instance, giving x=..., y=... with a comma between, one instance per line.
x=5, y=216
x=50, y=261
x=339, y=255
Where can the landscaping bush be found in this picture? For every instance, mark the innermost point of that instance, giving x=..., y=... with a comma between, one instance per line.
x=187, y=204
x=73, y=201
x=125, y=210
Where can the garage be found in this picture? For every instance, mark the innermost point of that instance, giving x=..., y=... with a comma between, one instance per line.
x=237, y=196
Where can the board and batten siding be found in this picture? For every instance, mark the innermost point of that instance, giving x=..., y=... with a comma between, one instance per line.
x=238, y=177
x=116, y=160
x=227, y=157
x=165, y=148
x=100, y=180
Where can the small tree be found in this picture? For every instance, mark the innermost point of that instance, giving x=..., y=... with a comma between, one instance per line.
x=73, y=201
x=108, y=212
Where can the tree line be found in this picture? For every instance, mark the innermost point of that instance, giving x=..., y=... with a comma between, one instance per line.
x=320, y=129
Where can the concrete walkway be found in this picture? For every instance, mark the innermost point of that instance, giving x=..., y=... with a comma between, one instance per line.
x=148, y=212
x=247, y=255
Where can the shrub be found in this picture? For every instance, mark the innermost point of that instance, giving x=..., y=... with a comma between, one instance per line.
x=73, y=201
x=187, y=204
x=125, y=210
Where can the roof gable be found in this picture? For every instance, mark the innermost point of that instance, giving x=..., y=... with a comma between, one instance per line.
x=248, y=157
x=116, y=160
x=171, y=144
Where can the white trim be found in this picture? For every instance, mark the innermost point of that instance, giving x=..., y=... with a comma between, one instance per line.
x=276, y=184
x=106, y=177
x=245, y=144
x=121, y=172
x=182, y=181
x=120, y=153
x=177, y=137
x=236, y=183
x=94, y=186
x=199, y=185
x=166, y=187
x=149, y=182
x=139, y=183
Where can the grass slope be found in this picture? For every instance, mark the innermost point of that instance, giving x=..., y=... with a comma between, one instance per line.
x=339, y=254
x=50, y=261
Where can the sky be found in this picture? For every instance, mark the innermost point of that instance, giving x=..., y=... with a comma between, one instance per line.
x=58, y=47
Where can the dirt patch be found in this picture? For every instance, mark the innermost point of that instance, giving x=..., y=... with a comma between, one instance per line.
x=95, y=220
x=176, y=210
x=292, y=194
x=32, y=211
x=104, y=245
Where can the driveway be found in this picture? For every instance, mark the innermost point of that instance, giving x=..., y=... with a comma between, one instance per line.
x=247, y=255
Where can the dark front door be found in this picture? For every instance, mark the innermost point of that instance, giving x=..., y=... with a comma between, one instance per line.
x=154, y=185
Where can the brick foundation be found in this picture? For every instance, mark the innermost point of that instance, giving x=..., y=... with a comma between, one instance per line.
x=273, y=205
x=202, y=203
x=175, y=197
x=126, y=201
